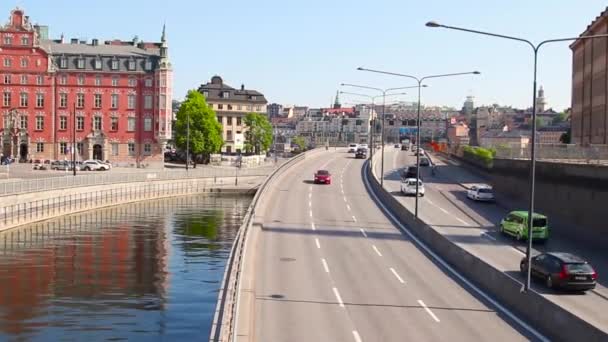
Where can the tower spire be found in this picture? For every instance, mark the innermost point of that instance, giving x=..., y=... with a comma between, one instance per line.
x=163, y=37
x=337, y=101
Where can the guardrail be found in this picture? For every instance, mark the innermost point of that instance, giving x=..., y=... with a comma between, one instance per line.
x=112, y=177
x=223, y=325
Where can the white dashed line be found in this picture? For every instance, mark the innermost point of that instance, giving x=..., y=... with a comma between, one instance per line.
x=363, y=232
x=310, y=213
x=345, y=198
x=317, y=243
x=310, y=203
x=377, y=251
x=310, y=195
x=445, y=211
x=312, y=225
x=462, y=221
x=430, y=202
x=356, y=336
x=428, y=310
x=338, y=297
x=488, y=236
x=325, y=265
x=397, y=276
x=354, y=218
x=348, y=207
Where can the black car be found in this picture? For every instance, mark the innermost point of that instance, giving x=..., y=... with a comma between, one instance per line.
x=562, y=270
x=405, y=147
x=361, y=153
x=424, y=161
x=410, y=172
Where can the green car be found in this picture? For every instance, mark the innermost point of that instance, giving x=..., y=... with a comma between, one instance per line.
x=516, y=224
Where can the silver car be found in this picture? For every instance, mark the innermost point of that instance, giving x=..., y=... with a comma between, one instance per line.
x=94, y=165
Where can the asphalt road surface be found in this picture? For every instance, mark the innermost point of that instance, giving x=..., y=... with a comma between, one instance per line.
x=330, y=266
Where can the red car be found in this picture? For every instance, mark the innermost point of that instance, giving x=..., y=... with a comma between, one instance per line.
x=322, y=176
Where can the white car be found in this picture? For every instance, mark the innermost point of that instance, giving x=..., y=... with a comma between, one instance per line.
x=363, y=146
x=94, y=165
x=482, y=192
x=352, y=148
x=104, y=162
x=408, y=187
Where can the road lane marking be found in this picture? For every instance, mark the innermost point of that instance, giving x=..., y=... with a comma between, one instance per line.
x=377, y=251
x=348, y=207
x=356, y=336
x=363, y=232
x=488, y=236
x=325, y=265
x=430, y=202
x=312, y=225
x=462, y=221
x=310, y=203
x=354, y=218
x=397, y=276
x=345, y=198
x=445, y=211
x=310, y=188
x=310, y=213
x=317, y=242
x=310, y=195
x=426, y=308
x=337, y=294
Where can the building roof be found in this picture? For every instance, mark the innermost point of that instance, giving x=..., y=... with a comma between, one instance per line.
x=216, y=90
x=56, y=48
x=596, y=21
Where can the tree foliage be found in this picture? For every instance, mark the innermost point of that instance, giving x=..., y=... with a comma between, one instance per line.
x=258, y=136
x=300, y=142
x=205, y=130
x=559, y=118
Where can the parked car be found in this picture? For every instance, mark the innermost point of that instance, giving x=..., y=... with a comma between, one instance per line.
x=408, y=187
x=107, y=162
x=481, y=192
x=352, y=148
x=94, y=165
x=405, y=147
x=322, y=176
x=361, y=153
x=516, y=224
x=424, y=161
x=396, y=145
x=561, y=270
x=39, y=166
x=64, y=165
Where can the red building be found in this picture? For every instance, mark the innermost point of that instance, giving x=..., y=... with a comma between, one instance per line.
x=112, y=98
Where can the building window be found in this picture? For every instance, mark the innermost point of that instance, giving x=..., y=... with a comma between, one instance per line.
x=163, y=83
x=39, y=147
x=132, y=82
x=25, y=40
x=79, y=147
x=63, y=62
x=163, y=102
x=238, y=121
x=97, y=100
x=229, y=120
x=80, y=123
x=23, y=100
x=114, y=102
x=114, y=123
x=148, y=82
x=114, y=64
x=7, y=62
x=80, y=63
x=23, y=63
x=63, y=147
x=131, y=149
x=229, y=107
x=97, y=80
x=131, y=124
x=7, y=79
x=6, y=99
x=23, y=79
x=39, y=123
x=97, y=64
x=131, y=65
x=147, y=149
x=228, y=135
x=97, y=123
x=220, y=106
x=39, y=100
x=226, y=94
x=219, y=119
x=23, y=121
x=148, y=65
x=63, y=79
x=148, y=102
x=80, y=79
x=239, y=107
x=80, y=100
x=39, y=80
x=63, y=122
x=131, y=101
x=115, y=81
x=258, y=108
x=248, y=108
x=147, y=124
x=114, y=149
x=8, y=40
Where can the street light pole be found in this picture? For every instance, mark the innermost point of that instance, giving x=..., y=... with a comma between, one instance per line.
x=187, y=140
x=419, y=80
x=74, y=138
x=535, y=49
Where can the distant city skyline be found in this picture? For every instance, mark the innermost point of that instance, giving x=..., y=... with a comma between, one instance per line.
x=299, y=53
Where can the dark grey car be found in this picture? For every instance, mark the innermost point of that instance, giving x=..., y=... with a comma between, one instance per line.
x=562, y=270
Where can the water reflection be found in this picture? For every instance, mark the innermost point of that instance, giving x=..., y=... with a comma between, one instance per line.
x=148, y=270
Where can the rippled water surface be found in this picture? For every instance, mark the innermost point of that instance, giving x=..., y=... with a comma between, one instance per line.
x=144, y=271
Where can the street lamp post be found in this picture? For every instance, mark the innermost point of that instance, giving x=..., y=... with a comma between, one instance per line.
x=535, y=49
x=383, y=91
x=74, y=139
x=187, y=140
x=420, y=85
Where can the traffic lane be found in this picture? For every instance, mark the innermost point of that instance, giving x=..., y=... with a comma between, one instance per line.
x=498, y=251
x=460, y=313
x=292, y=292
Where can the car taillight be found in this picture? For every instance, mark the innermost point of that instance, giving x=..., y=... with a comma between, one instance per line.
x=594, y=275
x=563, y=274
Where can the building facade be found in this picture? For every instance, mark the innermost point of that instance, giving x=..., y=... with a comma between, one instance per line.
x=231, y=106
x=113, y=99
x=589, y=90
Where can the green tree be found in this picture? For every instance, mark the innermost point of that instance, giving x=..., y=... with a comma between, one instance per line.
x=566, y=137
x=205, y=130
x=300, y=142
x=559, y=118
x=258, y=136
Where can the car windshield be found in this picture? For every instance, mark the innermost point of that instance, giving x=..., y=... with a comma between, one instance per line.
x=485, y=191
x=579, y=268
x=539, y=222
x=413, y=183
x=322, y=172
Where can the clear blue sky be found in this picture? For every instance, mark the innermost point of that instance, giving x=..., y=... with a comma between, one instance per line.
x=298, y=52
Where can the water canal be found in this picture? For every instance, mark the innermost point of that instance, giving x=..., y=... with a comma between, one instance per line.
x=143, y=271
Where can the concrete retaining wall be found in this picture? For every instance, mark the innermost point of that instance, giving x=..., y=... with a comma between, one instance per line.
x=549, y=318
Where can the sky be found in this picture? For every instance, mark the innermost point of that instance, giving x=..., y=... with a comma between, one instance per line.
x=299, y=52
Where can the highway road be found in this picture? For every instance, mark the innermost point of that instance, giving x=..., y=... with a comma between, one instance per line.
x=331, y=266
x=474, y=226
